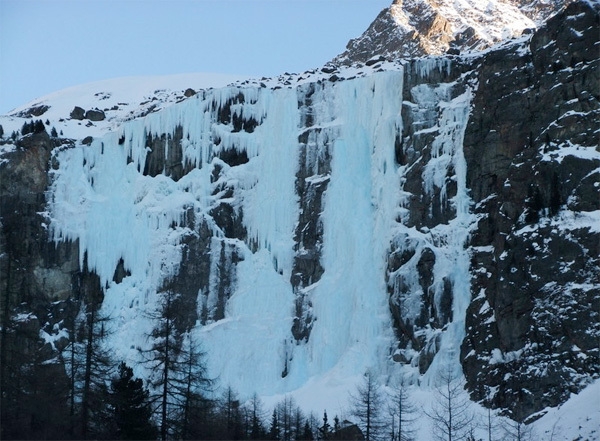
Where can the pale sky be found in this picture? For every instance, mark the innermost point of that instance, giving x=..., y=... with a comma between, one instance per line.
x=48, y=45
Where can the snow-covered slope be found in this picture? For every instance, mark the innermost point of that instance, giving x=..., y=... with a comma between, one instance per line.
x=121, y=99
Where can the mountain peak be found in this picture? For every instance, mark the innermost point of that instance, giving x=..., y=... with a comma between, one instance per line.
x=414, y=28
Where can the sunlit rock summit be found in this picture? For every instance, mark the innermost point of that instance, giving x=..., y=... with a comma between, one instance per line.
x=415, y=28
x=392, y=212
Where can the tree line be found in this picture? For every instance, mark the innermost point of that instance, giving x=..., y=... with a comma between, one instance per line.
x=33, y=126
x=83, y=393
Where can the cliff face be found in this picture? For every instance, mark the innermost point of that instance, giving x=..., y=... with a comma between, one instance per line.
x=531, y=146
x=407, y=217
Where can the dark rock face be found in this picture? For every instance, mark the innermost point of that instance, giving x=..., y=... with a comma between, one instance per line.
x=44, y=269
x=535, y=271
x=41, y=283
x=312, y=180
x=33, y=111
x=165, y=156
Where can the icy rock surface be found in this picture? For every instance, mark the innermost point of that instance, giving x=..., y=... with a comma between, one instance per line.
x=238, y=152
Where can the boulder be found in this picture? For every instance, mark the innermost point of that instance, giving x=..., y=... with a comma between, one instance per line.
x=77, y=113
x=95, y=115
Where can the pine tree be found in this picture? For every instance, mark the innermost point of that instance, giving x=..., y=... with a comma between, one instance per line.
x=188, y=387
x=274, y=429
x=489, y=423
x=298, y=422
x=519, y=431
x=38, y=126
x=404, y=415
x=450, y=413
x=27, y=128
x=130, y=407
x=286, y=414
x=367, y=407
x=230, y=411
x=178, y=366
x=87, y=362
x=336, y=428
x=325, y=429
x=257, y=430
x=33, y=404
x=515, y=428
x=307, y=433
x=53, y=133
x=1, y=131
x=163, y=353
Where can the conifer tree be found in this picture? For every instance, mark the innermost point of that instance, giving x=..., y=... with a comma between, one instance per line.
x=26, y=128
x=188, y=387
x=298, y=422
x=230, y=411
x=403, y=413
x=130, y=407
x=274, y=429
x=33, y=399
x=88, y=363
x=518, y=431
x=336, y=428
x=257, y=430
x=38, y=126
x=450, y=413
x=325, y=429
x=179, y=371
x=307, y=433
x=367, y=405
x=287, y=414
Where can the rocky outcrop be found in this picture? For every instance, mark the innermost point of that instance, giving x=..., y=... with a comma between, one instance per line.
x=40, y=269
x=40, y=285
x=95, y=115
x=312, y=180
x=535, y=269
x=420, y=285
x=36, y=110
x=77, y=113
x=414, y=28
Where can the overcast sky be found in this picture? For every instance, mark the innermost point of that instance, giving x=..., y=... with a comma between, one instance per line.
x=47, y=45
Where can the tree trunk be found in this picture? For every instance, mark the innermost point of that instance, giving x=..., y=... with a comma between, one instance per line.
x=85, y=405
